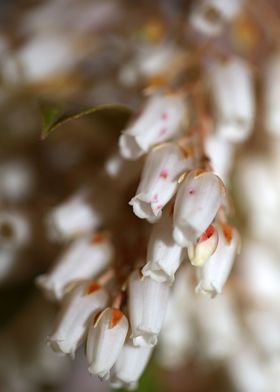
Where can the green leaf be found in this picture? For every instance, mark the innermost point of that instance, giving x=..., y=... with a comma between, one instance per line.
x=54, y=117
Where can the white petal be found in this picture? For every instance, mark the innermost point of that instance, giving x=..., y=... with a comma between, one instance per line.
x=164, y=255
x=105, y=340
x=221, y=154
x=247, y=371
x=260, y=273
x=129, y=366
x=218, y=327
x=160, y=120
x=198, y=199
x=214, y=274
x=147, y=307
x=84, y=259
x=73, y=217
x=272, y=95
x=209, y=17
x=233, y=98
x=73, y=320
x=178, y=335
x=16, y=180
x=158, y=181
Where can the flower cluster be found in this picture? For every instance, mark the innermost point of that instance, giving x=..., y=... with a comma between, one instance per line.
x=185, y=201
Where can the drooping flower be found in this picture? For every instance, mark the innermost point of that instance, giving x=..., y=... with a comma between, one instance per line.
x=85, y=258
x=164, y=255
x=106, y=337
x=214, y=274
x=130, y=366
x=161, y=120
x=221, y=154
x=159, y=181
x=73, y=217
x=198, y=199
x=72, y=322
x=147, y=307
x=218, y=326
x=177, y=339
x=204, y=248
x=232, y=91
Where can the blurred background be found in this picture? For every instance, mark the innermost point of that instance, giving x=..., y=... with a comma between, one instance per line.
x=70, y=55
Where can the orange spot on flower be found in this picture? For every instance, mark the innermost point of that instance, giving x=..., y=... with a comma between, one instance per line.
x=228, y=232
x=93, y=286
x=98, y=238
x=207, y=233
x=116, y=316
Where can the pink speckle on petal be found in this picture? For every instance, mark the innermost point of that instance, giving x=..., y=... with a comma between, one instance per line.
x=164, y=116
x=162, y=131
x=159, y=207
x=163, y=173
x=191, y=192
x=155, y=197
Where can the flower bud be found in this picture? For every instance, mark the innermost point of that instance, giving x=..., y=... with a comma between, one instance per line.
x=214, y=274
x=164, y=255
x=73, y=320
x=205, y=247
x=159, y=181
x=130, y=366
x=147, y=307
x=198, y=199
x=161, y=120
x=84, y=259
x=105, y=340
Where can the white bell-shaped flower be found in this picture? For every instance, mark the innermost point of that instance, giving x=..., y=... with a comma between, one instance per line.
x=15, y=230
x=272, y=94
x=264, y=327
x=232, y=92
x=178, y=339
x=84, y=259
x=72, y=322
x=198, y=199
x=247, y=371
x=16, y=180
x=164, y=255
x=221, y=155
x=161, y=120
x=209, y=17
x=259, y=273
x=71, y=218
x=159, y=181
x=214, y=274
x=218, y=327
x=105, y=340
x=130, y=366
x=204, y=248
x=147, y=306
